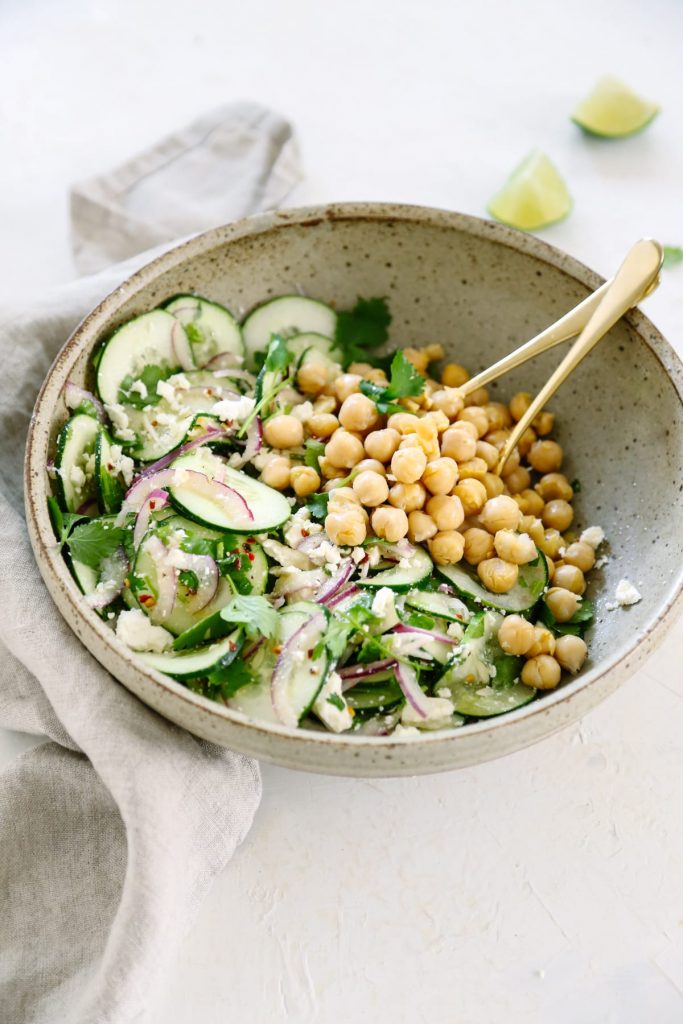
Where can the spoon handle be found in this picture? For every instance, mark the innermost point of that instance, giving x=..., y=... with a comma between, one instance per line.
x=636, y=277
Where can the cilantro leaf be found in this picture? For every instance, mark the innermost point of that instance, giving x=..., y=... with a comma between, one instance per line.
x=255, y=613
x=62, y=522
x=405, y=382
x=278, y=356
x=362, y=329
x=317, y=504
x=673, y=254
x=576, y=486
x=94, y=541
x=150, y=377
x=314, y=450
x=273, y=377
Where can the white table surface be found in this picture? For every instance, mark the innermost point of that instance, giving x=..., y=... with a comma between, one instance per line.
x=544, y=887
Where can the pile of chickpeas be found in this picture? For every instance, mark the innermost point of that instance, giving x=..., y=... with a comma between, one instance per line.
x=427, y=473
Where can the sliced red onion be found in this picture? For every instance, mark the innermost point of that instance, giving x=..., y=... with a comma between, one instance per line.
x=206, y=571
x=137, y=495
x=211, y=435
x=302, y=640
x=217, y=492
x=75, y=396
x=181, y=347
x=441, y=637
x=254, y=442
x=155, y=500
x=342, y=595
x=167, y=578
x=114, y=572
x=311, y=543
x=407, y=680
x=352, y=674
x=332, y=585
x=223, y=360
x=444, y=588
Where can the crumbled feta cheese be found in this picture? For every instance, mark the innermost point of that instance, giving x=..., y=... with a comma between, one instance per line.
x=117, y=414
x=138, y=633
x=166, y=419
x=166, y=390
x=626, y=594
x=358, y=554
x=233, y=409
x=402, y=732
x=327, y=553
x=140, y=388
x=77, y=477
x=301, y=526
x=303, y=412
x=89, y=463
x=286, y=556
x=601, y=562
x=594, y=536
x=455, y=630
x=444, y=692
x=180, y=382
x=335, y=718
x=439, y=709
x=383, y=601
x=121, y=465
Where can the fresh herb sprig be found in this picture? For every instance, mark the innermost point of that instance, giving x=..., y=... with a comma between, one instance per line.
x=404, y=382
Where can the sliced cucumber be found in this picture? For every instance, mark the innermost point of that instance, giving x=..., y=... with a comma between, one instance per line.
x=153, y=339
x=483, y=700
x=234, y=501
x=440, y=605
x=86, y=578
x=532, y=582
x=415, y=568
x=383, y=694
x=211, y=328
x=109, y=487
x=195, y=664
x=255, y=700
x=255, y=563
x=287, y=315
x=314, y=345
x=301, y=668
x=75, y=461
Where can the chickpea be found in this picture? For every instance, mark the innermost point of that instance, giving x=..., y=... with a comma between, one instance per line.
x=550, y=543
x=558, y=514
x=283, y=431
x=555, y=485
x=571, y=652
x=358, y=413
x=541, y=672
x=472, y=494
x=376, y=376
x=479, y=397
x=498, y=414
x=532, y=526
x=472, y=469
x=324, y=404
x=477, y=417
x=500, y=513
x=344, y=449
x=346, y=384
x=322, y=424
x=312, y=378
x=421, y=527
x=276, y=472
x=454, y=376
x=526, y=441
x=497, y=575
x=404, y=422
x=544, y=642
x=439, y=419
x=448, y=401
x=381, y=444
x=551, y=566
x=408, y=465
x=545, y=456
x=446, y=547
x=409, y=497
x=512, y=462
x=371, y=488
x=581, y=555
x=478, y=545
x=373, y=464
x=389, y=523
x=515, y=635
x=440, y=476
x=493, y=484
x=515, y=547
x=458, y=444
x=343, y=498
x=519, y=404
x=487, y=452
x=562, y=603
x=571, y=578
x=518, y=481
x=446, y=511
x=329, y=471
x=304, y=481
x=497, y=438
x=532, y=503
x=345, y=528
x=544, y=422
x=362, y=369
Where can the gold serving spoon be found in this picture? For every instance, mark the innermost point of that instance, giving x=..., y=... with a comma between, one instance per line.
x=636, y=278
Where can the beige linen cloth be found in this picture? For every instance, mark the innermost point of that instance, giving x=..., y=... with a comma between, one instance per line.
x=111, y=831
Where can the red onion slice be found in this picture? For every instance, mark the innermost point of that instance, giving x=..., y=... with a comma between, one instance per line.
x=407, y=680
x=155, y=500
x=167, y=578
x=114, y=572
x=75, y=396
x=219, y=493
x=206, y=571
x=429, y=633
x=137, y=495
x=352, y=674
x=332, y=586
x=302, y=640
x=211, y=435
x=254, y=442
x=340, y=596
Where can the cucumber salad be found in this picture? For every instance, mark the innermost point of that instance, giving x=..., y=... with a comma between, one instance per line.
x=289, y=521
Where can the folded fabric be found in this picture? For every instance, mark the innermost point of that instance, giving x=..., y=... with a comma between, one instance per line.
x=112, y=831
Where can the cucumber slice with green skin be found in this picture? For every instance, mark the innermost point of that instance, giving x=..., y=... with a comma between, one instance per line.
x=232, y=501
x=254, y=700
x=109, y=488
x=75, y=459
x=484, y=701
x=86, y=578
x=287, y=315
x=300, y=670
x=440, y=605
x=375, y=692
x=153, y=339
x=207, y=379
x=314, y=344
x=211, y=328
x=417, y=568
x=531, y=584
x=194, y=664
x=254, y=561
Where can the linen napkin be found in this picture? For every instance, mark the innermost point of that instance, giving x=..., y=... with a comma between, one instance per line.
x=112, y=831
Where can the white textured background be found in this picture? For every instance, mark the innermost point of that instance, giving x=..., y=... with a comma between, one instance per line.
x=546, y=888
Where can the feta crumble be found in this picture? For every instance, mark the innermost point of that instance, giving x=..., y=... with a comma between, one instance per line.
x=234, y=409
x=140, y=388
x=625, y=595
x=335, y=718
x=121, y=465
x=117, y=414
x=138, y=633
x=593, y=535
x=438, y=710
x=300, y=526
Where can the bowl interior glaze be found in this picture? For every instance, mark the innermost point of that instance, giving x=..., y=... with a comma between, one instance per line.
x=480, y=289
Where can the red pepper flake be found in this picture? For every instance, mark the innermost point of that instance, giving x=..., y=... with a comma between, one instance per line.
x=305, y=533
x=154, y=423
x=251, y=556
x=277, y=649
x=232, y=645
x=152, y=504
x=251, y=540
x=147, y=599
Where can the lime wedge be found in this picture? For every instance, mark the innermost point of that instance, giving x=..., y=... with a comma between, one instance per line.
x=612, y=110
x=534, y=195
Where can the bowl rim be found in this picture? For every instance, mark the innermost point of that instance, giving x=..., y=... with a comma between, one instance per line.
x=53, y=566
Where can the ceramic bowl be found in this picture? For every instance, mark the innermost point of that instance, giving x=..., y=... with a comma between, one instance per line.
x=480, y=289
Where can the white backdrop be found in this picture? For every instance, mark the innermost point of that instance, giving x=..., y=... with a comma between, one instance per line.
x=545, y=888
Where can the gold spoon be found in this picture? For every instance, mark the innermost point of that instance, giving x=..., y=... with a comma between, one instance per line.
x=636, y=278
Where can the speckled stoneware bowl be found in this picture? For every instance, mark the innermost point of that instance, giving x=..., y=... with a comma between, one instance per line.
x=480, y=289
